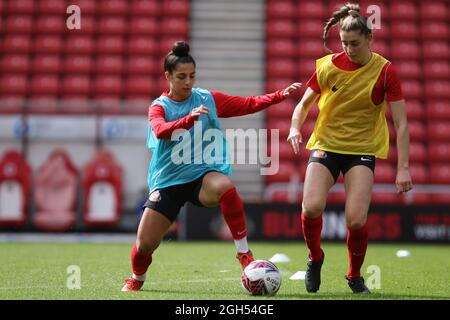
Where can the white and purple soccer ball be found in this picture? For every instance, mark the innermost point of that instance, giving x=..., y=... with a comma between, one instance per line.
x=261, y=278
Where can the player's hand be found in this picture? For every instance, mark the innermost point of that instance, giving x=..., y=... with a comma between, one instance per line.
x=295, y=138
x=291, y=89
x=199, y=110
x=403, y=181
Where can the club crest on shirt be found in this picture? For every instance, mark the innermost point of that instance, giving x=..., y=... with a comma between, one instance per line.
x=155, y=196
x=319, y=154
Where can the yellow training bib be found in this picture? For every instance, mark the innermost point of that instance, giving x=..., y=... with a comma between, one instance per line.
x=348, y=121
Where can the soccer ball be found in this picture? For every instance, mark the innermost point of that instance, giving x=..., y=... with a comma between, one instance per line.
x=261, y=278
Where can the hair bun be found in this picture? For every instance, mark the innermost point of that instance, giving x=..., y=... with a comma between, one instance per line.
x=180, y=49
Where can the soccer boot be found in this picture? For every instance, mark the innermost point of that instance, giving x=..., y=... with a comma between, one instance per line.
x=357, y=285
x=132, y=285
x=312, y=276
x=245, y=258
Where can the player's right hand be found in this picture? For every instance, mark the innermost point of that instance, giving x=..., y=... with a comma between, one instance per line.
x=199, y=110
x=295, y=138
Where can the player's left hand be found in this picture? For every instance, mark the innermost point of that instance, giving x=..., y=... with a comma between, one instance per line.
x=403, y=181
x=291, y=89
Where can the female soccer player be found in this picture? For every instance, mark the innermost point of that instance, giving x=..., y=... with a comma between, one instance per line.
x=350, y=132
x=203, y=182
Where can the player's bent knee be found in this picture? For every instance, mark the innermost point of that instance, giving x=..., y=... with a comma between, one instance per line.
x=311, y=209
x=146, y=246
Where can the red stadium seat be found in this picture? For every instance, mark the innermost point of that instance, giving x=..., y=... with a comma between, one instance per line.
x=11, y=103
x=78, y=64
x=419, y=173
x=435, y=30
x=109, y=64
x=42, y=103
x=436, y=69
x=385, y=172
x=174, y=27
x=405, y=30
x=50, y=24
x=408, y=9
x=280, y=48
x=46, y=64
x=102, y=185
x=56, y=193
x=381, y=47
x=383, y=33
x=140, y=85
x=110, y=45
x=306, y=67
x=311, y=9
x=307, y=128
x=439, y=152
x=336, y=197
x=79, y=44
x=440, y=198
x=438, y=109
x=108, y=103
x=280, y=9
x=171, y=8
x=137, y=105
x=48, y=44
x=412, y=89
x=87, y=7
x=386, y=198
x=440, y=173
x=281, y=68
x=409, y=69
x=113, y=7
x=437, y=89
x=44, y=84
x=281, y=29
x=405, y=48
x=437, y=49
x=13, y=84
x=19, y=24
x=148, y=8
x=53, y=7
x=415, y=110
x=105, y=84
x=311, y=48
x=439, y=131
x=308, y=28
x=76, y=104
x=142, y=45
x=15, y=182
x=20, y=7
x=88, y=26
x=142, y=64
x=392, y=155
x=281, y=110
x=417, y=152
x=285, y=171
x=417, y=130
x=112, y=25
x=433, y=10
x=144, y=26
x=76, y=84
x=16, y=44
x=15, y=63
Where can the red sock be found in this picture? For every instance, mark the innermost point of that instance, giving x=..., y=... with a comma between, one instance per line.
x=312, y=229
x=139, y=262
x=233, y=212
x=357, y=240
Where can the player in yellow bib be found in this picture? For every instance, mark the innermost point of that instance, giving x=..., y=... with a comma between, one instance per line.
x=350, y=132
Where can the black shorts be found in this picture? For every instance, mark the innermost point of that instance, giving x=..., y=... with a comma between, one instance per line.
x=338, y=162
x=168, y=201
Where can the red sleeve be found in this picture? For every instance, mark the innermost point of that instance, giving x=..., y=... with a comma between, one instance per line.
x=233, y=106
x=313, y=83
x=163, y=129
x=392, y=84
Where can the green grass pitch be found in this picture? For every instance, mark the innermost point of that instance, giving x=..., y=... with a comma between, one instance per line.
x=209, y=271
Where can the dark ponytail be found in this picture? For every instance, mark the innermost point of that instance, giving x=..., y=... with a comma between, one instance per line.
x=350, y=19
x=178, y=54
